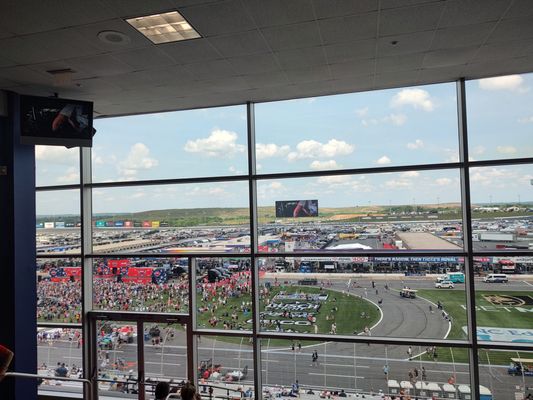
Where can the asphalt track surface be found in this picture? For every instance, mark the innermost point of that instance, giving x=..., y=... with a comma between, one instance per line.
x=341, y=365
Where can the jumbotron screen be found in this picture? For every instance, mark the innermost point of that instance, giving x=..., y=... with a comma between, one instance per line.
x=296, y=208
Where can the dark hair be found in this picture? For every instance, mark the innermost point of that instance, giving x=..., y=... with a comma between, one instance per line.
x=188, y=392
x=162, y=390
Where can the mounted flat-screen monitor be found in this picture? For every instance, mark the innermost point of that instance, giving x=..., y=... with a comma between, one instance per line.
x=296, y=208
x=56, y=122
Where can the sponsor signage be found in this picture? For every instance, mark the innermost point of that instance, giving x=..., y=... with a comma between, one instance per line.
x=137, y=224
x=69, y=224
x=119, y=224
x=39, y=225
x=118, y=263
x=155, y=224
x=147, y=224
x=100, y=224
x=337, y=259
x=164, y=224
x=296, y=208
x=507, y=300
x=60, y=224
x=128, y=224
x=109, y=224
x=416, y=259
x=492, y=334
x=48, y=225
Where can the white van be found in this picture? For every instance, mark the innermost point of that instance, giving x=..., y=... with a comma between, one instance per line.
x=496, y=278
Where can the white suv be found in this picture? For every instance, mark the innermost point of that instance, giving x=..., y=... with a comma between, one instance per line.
x=444, y=285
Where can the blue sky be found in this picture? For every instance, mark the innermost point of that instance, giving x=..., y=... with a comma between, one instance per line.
x=389, y=127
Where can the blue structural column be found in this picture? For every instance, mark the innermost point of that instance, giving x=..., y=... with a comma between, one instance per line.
x=17, y=253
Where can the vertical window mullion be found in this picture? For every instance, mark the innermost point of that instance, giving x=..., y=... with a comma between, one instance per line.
x=467, y=238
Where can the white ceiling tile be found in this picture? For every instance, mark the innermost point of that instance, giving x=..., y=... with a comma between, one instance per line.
x=311, y=74
x=23, y=76
x=219, y=18
x=352, y=68
x=190, y=51
x=137, y=8
x=264, y=79
x=240, y=44
x=103, y=65
x=461, y=12
x=403, y=3
x=338, y=8
x=292, y=36
x=399, y=63
x=461, y=36
x=26, y=16
x=449, y=57
x=442, y=74
x=352, y=85
x=255, y=64
x=494, y=51
x=519, y=9
x=512, y=29
x=279, y=12
x=410, y=19
x=300, y=58
x=349, y=29
x=361, y=49
x=395, y=79
x=404, y=44
x=211, y=70
x=145, y=58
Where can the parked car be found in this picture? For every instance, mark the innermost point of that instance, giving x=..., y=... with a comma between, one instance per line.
x=444, y=285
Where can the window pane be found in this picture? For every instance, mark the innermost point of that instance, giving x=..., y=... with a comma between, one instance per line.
x=500, y=121
x=504, y=304
x=329, y=369
x=141, y=284
x=502, y=207
x=59, y=290
x=211, y=217
x=379, y=128
x=58, y=222
x=165, y=145
x=223, y=295
x=408, y=210
x=415, y=297
x=505, y=374
x=57, y=165
x=225, y=361
x=117, y=358
x=59, y=353
x=165, y=354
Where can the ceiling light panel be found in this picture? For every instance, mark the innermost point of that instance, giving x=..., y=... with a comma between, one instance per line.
x=164, y=28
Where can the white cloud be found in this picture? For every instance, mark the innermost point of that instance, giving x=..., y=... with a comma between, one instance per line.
x=314, y=149
x=72, y=176
x=526, y=120
x=410, y=174
x=362, y=112
x=56, y=154
x=330, y=164
x=478, y=150
x=206, y=191
x=418, y=98
x=506, y=149
x=138, y=195
x=138, y=159
x=395, y=119
x=397, y=183
x=443, y=181
x=371, y=121
x=97, y=160
x=276, y=185
x=417, y=144
x=268, y=150
x=509, y=82
x=220, y=143
x=334, y=180
x=234, y=170
x=383, y=160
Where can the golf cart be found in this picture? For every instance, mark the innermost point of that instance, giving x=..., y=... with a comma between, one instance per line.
x=521, y=366
x=408, y=293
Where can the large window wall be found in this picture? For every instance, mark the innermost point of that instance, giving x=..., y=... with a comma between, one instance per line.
x=183, y=247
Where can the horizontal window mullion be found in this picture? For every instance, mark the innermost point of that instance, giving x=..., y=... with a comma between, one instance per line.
x=57, y=187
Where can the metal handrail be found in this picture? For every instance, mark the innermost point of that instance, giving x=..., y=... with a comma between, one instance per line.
x=86, y=382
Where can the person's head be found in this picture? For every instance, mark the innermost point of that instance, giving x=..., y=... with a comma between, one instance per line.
x=162, y=390
x=188, y=391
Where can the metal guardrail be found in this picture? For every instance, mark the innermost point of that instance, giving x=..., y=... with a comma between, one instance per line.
x=23, y=375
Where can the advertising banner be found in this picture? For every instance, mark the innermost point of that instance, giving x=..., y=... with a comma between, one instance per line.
x=119, y=224
x=60, y=224
x=100, y=224
x=128, y=224
x=48, y=225
x=147, y=224
x=39, y=225
x=155, y=224
x=296, y=208
x=118, y=263
x=109, y=224
x=492, y=334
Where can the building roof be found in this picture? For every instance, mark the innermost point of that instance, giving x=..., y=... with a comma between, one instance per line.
x=425, y=241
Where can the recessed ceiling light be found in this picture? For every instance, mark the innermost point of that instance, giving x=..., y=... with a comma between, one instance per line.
x=164, y=28
x=114, y=38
